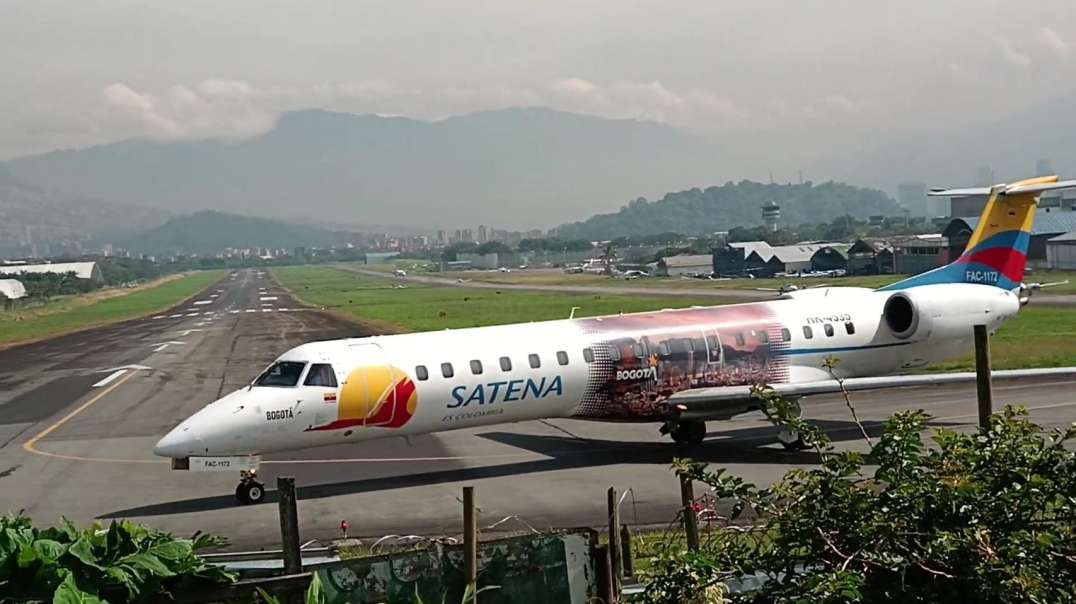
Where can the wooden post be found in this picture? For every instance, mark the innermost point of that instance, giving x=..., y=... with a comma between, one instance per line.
x=626, y=559
x=470, y=539
x=614, y=539
x=289, y=525
x=606, y=592
x=691, y=525
x=982, y=375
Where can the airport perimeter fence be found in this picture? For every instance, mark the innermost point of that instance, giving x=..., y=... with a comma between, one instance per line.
x=570, y=566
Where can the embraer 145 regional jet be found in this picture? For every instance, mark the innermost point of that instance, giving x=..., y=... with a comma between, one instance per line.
x=678, y=368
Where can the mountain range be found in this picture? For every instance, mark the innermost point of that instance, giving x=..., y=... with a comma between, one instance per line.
x=35, y=218
x=515, y=168
x=511, y=168
x=209, y=231
x=703, y=211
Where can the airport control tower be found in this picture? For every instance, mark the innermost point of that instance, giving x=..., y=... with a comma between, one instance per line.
x=771, y=213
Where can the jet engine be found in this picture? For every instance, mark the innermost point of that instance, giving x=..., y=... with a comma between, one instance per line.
x=947, y=310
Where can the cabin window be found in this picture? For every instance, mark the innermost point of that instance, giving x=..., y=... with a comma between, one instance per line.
x=562, y=357
x=763, y=337
x=698, y=345
x=446, y=370
x=711, y=342
x=786, y=335
x=283, y=374
x=807, y=333
x=740, y=339
x=421, y=373
x=476, y=367
x=506, y=364
x=534, y=361
x=637, y=350
x=588, y=355
x=663, y=349
x=828, y=327
x=614, y=353
x=850, y=327
x=320, y=374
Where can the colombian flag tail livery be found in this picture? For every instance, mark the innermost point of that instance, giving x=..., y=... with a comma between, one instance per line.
x=996, y=254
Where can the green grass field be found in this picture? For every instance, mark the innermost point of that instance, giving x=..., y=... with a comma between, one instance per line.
x=83, y=311
x=1038, y=337
x=419, y=307
x=558, y=277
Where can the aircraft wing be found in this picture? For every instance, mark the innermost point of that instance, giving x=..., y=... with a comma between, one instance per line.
x=724, y=401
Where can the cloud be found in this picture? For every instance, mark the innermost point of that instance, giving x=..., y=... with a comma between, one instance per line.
x=216, y=109
x=1013, y=56
x=694, y=110
x=1054, y=43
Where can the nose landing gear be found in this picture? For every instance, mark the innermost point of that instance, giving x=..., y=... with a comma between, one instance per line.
x=249, y=490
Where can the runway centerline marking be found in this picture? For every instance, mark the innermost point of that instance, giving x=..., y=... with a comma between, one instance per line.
x=115, y=374
x=29, y=446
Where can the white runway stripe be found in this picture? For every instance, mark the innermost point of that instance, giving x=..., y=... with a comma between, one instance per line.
x=108, y=380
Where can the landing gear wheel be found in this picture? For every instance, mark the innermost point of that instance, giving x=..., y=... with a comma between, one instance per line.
x=790, y=439
x=689, y=433
x=250, y=491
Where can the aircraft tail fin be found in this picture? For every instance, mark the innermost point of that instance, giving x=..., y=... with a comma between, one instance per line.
x=996, y=254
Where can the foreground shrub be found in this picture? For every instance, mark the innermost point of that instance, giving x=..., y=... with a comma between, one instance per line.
x=988, y=516
x=122, y=563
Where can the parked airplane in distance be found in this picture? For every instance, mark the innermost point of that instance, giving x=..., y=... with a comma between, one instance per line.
x=679, y=368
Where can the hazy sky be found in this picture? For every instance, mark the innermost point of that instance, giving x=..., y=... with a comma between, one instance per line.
x=89, y=71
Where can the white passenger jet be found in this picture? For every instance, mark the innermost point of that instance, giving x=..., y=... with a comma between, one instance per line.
x=678, y=368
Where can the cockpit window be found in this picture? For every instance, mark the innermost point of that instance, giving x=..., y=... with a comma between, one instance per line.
x=284, y=373
x=320, y=374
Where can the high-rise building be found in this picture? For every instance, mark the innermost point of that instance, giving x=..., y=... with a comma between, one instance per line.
x=482, y=234
x=467, y=235
x=913, y=196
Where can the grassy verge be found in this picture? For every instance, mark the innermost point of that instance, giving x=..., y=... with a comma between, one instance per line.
x=420, y=307
x=78, y=313
x=1037, y=337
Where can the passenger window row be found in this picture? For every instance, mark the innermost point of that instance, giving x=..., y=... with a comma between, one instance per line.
x=849, y=328
x=505, y=363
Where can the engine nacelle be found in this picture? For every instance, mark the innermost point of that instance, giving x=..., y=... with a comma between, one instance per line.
x=947, y=310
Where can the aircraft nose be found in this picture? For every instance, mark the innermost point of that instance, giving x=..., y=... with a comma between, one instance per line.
x=180, y=442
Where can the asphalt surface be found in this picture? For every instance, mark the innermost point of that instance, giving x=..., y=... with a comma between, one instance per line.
x=90, y=446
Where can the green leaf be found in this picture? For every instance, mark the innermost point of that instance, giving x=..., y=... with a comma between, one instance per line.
x=48, y=550
x=147, y=562
x=171, y=550
x=83, y=551
x=69, y=593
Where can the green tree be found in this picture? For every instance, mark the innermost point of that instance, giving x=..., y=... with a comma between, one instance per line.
x=986, y=516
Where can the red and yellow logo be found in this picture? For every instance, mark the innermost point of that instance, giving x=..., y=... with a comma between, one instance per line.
x=381, y=396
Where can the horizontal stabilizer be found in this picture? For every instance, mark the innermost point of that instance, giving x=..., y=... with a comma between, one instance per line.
x=1013, y=189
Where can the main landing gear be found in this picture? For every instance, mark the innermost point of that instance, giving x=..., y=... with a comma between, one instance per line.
x=688, y=432
x=249, y=490
x=790, y=439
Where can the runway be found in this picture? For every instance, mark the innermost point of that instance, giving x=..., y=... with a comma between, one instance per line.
x=80, y=414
